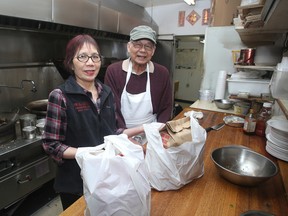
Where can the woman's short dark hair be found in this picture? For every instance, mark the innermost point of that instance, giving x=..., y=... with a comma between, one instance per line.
x=74, y=45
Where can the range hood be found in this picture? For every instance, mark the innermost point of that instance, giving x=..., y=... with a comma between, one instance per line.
x=104, y=19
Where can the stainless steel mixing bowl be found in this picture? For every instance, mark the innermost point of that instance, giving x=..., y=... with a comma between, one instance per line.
x=243, y=166
x=224, y=103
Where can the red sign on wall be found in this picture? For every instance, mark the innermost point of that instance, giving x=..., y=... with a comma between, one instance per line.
x=181, y=18
x=193, y=17
x=205, y=16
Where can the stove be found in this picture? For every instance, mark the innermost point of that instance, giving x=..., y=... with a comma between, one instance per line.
x=24, y=167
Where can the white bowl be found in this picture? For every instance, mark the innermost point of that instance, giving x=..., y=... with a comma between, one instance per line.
x=280, y=125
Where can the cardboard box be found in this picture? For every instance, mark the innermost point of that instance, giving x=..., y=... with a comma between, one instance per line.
x=223, y=12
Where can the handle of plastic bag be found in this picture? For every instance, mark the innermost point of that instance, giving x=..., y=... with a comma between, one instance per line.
x=116, y=144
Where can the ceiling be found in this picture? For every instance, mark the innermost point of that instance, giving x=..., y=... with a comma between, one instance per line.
x=149, y=3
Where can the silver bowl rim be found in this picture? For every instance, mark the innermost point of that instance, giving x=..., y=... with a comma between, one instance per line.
x=225, y=101
x=246, y=149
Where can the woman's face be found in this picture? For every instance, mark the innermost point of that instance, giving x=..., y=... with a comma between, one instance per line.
x=86, y=63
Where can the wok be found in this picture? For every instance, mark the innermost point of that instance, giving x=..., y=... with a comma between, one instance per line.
x=38, y=107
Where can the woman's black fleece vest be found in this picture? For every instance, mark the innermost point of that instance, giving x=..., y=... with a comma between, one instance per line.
x=85, y=128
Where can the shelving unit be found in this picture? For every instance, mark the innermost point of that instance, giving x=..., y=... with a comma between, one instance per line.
x=256, y=67
x=251, y=15
x=253, y=99
x=264, y=23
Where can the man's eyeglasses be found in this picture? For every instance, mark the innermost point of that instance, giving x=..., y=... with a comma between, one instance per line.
x=139, y=45
x=84, y=58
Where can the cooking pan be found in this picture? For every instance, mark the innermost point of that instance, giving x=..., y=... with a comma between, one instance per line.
x=38, y=107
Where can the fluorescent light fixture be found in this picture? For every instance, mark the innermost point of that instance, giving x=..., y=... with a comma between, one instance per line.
x=190, y=2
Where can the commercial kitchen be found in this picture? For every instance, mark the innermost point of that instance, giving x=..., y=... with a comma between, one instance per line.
x=202, y=43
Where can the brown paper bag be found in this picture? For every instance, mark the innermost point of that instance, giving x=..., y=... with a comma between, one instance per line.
x=179, y=132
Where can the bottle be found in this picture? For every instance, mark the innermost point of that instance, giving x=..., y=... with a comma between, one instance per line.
x=263, y=117
x=249, y=123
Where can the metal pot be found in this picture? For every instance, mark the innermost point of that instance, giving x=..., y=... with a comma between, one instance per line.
x=247, y=56
x=40, y=123
x=27, y=120
x=29, y=132
x=38, y=107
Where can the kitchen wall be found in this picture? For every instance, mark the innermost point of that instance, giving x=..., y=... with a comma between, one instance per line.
x=166, y=17
x=29, y=55
x=188, y=50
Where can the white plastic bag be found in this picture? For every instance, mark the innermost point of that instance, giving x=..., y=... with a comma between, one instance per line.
x=172, y=168
x=115, y=180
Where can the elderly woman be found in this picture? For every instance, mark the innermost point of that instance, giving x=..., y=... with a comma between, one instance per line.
x=80, y=113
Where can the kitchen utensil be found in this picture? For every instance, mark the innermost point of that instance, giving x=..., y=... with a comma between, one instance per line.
x=234, y=121
x=215, y=127
x=38, y=107
x=29, y=132
x=241, y=108
x=243, y=166
x=256, y=213
x=40, y=123
x=224, y=103
x=27, y=120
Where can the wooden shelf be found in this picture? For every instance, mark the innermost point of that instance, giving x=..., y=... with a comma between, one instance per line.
x=248, y=7
x=259, y=36
x=274, y=15
x=255, y=67
x=252, y=99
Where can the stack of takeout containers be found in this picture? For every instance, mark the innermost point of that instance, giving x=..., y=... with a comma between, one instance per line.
x=277, y=138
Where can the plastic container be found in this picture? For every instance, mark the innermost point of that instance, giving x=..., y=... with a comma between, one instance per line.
x=206, y=95
x=255, y=87
x=241, y=108
x=279, y=80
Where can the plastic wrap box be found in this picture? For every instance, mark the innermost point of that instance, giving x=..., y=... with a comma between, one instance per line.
x=255, y=87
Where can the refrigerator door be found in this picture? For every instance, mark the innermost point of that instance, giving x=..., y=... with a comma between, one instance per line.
x=165, y=55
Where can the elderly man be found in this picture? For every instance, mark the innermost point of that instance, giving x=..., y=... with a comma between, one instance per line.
x=142, y=88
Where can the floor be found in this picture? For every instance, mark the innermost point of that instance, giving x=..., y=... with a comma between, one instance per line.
x=42, y=202
x=52, y=208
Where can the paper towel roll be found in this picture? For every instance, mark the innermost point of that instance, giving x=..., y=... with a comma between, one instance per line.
x=221, y=85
